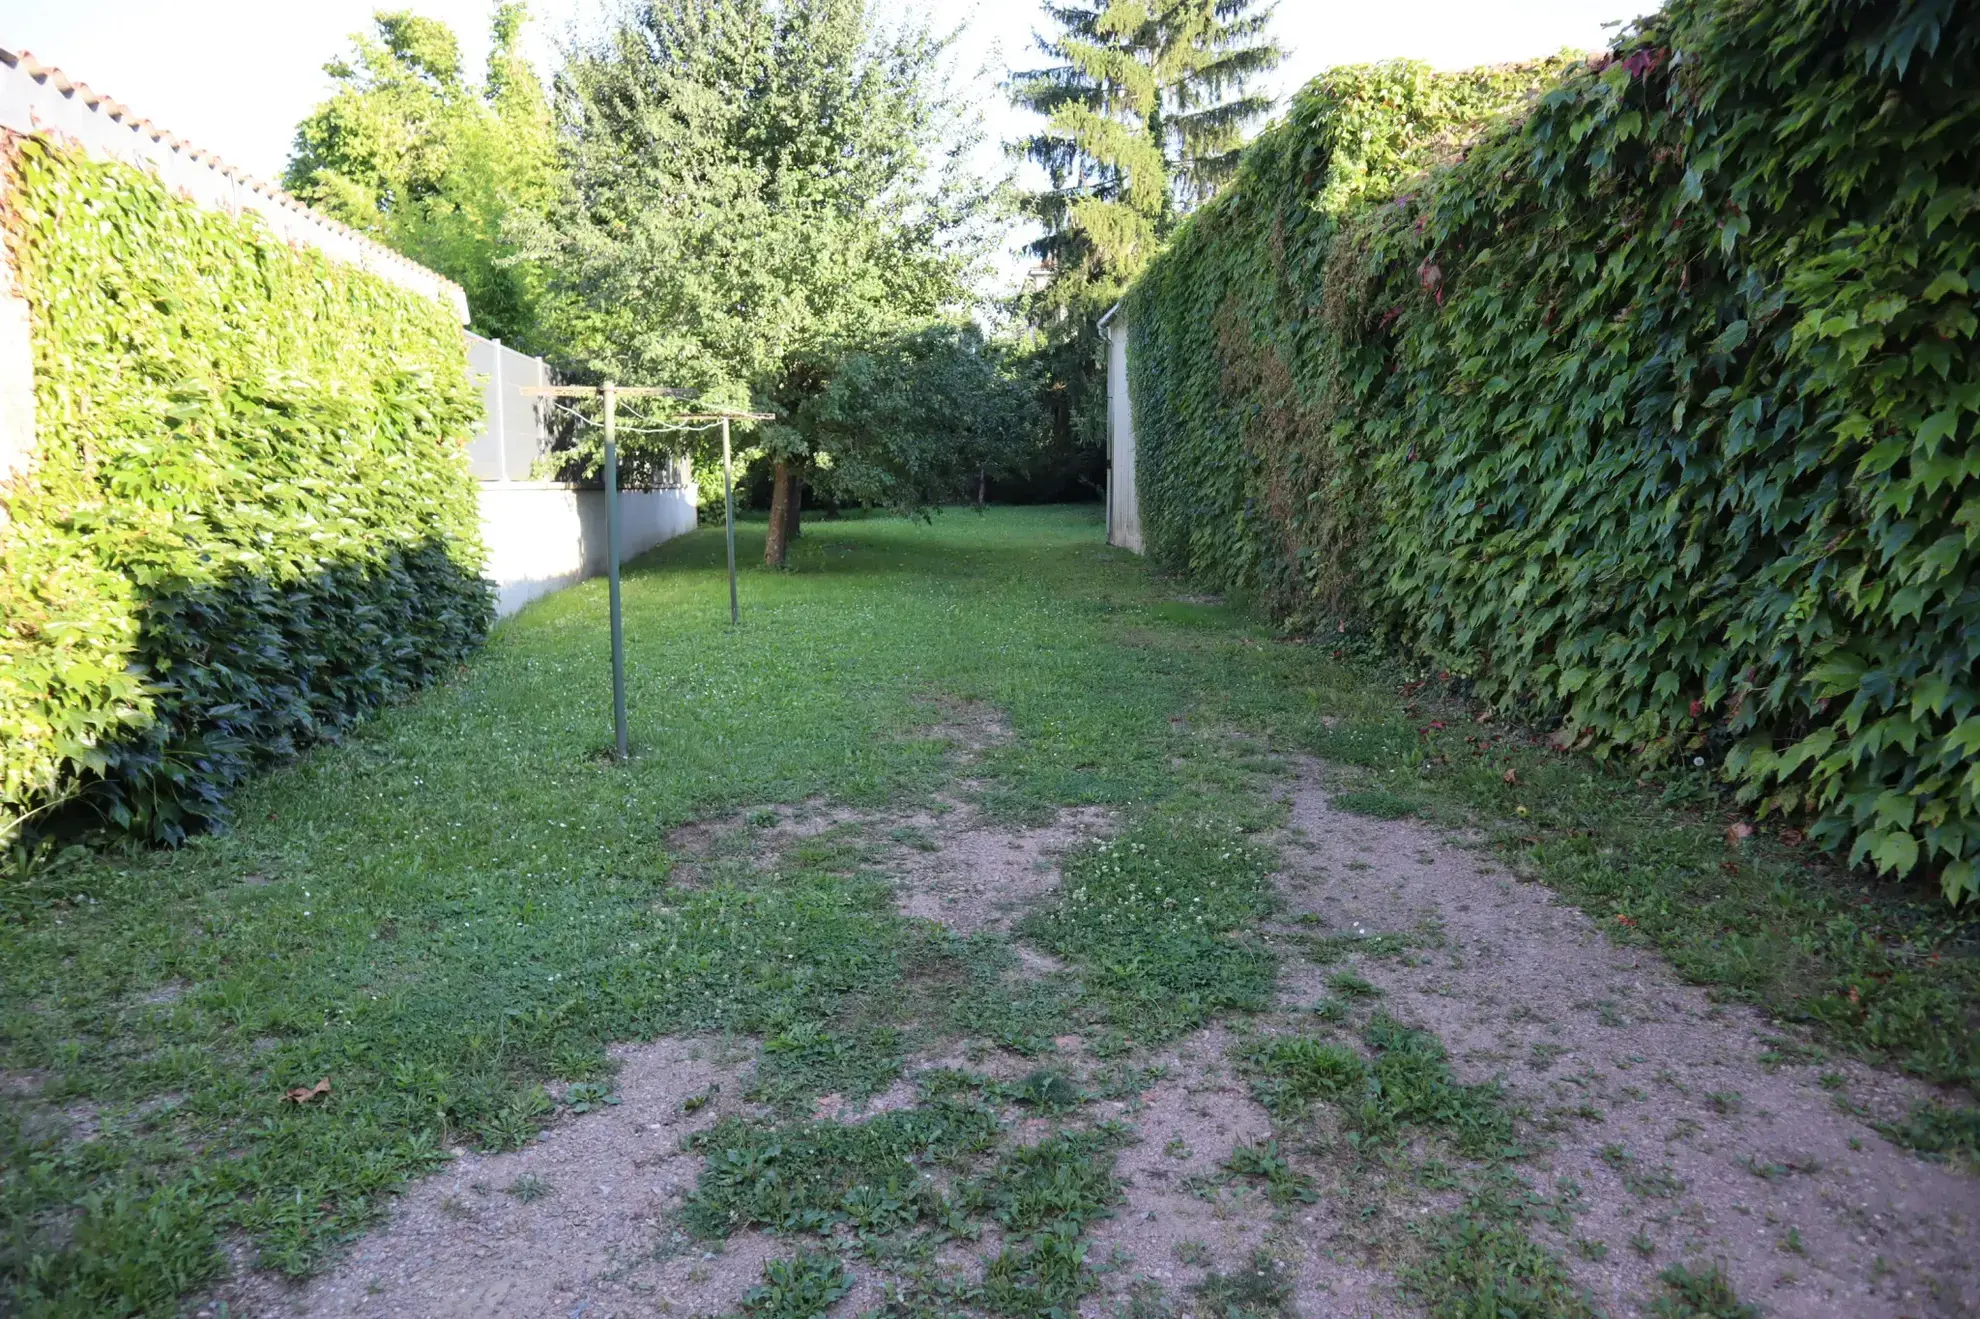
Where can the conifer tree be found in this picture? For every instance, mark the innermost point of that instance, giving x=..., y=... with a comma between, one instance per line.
x=1146, y=103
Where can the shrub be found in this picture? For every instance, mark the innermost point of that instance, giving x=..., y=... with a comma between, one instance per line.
x=248, y=519
x=1652, y=409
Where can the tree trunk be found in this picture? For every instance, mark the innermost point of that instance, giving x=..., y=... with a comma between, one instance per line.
x=776, y=541
x=794, y=505
x=981, y=482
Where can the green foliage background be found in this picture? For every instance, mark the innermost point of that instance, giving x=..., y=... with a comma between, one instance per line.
x=248, y=518
x=1651, y=408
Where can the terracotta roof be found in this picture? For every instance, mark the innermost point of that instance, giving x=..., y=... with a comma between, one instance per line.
x=118, y=113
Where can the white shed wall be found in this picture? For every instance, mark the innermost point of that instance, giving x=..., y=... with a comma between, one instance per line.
x=1123, y=507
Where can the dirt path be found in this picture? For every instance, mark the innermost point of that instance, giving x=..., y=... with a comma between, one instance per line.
x=1662, y=1129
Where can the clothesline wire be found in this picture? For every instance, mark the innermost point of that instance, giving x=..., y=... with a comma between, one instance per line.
x=652, y=428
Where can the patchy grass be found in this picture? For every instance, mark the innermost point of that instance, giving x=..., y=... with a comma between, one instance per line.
x=451, y=915
x=1162, y=921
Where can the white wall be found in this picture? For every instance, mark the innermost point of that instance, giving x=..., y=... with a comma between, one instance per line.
x=545, y=535
x=1123, y=506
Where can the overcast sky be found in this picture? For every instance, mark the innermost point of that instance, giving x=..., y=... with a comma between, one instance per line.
x=235, y=76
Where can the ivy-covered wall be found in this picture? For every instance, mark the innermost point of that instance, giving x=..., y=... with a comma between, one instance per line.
x=1650, y=407
x=248, y=518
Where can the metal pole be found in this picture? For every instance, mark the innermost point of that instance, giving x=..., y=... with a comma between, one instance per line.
x=612, y=541
x=729, y=517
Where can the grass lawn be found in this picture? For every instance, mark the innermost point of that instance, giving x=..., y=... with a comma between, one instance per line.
x=468, y=899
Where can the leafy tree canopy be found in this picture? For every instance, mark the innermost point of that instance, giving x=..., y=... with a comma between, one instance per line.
x=922, y=418
x=407, y=149
x=755, y=190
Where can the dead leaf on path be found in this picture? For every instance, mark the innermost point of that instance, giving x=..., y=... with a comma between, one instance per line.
x=1738, y=832
x=303, y=1094
x=1510, y=776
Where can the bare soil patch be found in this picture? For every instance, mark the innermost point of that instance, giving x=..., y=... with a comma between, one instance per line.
x=1694, y=1131
x=580, y=1222
x=976, y=875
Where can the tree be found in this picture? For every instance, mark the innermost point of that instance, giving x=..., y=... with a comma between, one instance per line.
x=922, y=418
x=445, y=171
x=756, y=188
x=1146, y=105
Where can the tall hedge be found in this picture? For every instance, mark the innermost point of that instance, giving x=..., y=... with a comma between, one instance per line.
x=248, y=517
x=1651, y=406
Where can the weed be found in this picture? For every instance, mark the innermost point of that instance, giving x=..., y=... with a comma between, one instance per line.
x=807, y=1177
x=1542, y=1055
x=1481, y=1262
x=1700, y=1294
x=1047, y=1091
x=1283, y=1185
x=1331, y=1009
x=1378, y=802
x=1295, y=1070
x=802, y=1287
x=1725, y=1102
x=1349, y=985
x=1791, y=1243
x=583, y=1096
x=1262, y=1291
x=1939, y=1132
x=527, y=1188
x=1065, y=1181
x=1192, y=1253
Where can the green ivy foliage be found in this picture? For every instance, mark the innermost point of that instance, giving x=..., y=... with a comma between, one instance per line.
x=248, y=518
x=1651, y=408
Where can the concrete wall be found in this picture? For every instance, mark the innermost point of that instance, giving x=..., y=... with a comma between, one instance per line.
x=545, y=535
x=1123, y=507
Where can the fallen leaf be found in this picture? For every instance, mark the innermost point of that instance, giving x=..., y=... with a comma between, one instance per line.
x=1791, y=838
x=1738, y=832
x=1562, y=738
x=1625, y=920
x=303, y=1094
x=1697, y=708
x=1854, y=997
x=1510, y=776
x=1484, y=717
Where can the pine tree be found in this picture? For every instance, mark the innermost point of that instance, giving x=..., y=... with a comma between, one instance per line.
x=1147, y=103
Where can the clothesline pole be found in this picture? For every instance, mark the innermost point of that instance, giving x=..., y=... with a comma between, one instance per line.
x=729, y=519
x=612, y=551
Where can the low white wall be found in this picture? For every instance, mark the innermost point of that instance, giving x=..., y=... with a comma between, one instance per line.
x=544, y=535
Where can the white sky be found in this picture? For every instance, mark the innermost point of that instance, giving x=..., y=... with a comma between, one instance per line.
x=235, y=76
